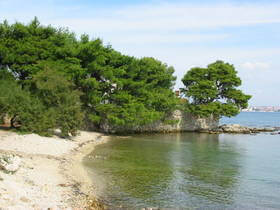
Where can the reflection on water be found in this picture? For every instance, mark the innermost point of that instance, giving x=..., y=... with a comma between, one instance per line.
x=182, y=171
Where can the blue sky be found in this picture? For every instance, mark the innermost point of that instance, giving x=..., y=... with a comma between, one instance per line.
x=180, y=33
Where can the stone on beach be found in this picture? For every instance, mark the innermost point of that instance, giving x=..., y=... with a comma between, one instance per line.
x=10, y=163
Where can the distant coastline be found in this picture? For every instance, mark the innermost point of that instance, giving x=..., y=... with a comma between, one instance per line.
x=258, y=111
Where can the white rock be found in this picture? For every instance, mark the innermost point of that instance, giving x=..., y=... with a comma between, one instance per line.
x=235, y=128
x=10, y=163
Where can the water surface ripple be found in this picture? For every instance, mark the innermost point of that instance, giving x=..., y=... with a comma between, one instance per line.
x=189, y=171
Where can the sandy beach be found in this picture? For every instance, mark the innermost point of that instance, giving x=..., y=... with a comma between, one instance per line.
x=51, y=175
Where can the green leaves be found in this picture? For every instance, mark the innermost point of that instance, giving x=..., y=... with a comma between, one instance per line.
x=58, y=94
x=122, y=90
x=212, y=90
x=64, y=74
x=48, y=102
x=27, y=111
x=22, y=47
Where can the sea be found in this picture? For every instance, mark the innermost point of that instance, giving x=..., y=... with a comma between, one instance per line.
x=254, y=119
x=191, y=170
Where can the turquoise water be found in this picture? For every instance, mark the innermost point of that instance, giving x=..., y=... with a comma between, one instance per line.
x=188, y=171
x=254, y=119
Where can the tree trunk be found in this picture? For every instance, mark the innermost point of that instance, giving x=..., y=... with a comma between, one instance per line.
x=13, y=121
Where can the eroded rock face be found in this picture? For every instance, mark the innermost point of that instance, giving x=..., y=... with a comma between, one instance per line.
x=10, y=163
x=177, y=121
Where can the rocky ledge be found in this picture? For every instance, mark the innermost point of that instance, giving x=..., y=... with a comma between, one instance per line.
x=236, y=128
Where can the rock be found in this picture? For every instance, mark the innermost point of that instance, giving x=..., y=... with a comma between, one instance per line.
x=10, y=163
x=275, y=133
x=234, y=128
x=264, y=129
x=24, y=199
x=57, y=132
x=177, y=121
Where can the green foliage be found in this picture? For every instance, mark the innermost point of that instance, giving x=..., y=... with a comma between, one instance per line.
x=48, y=102
x=28, y=112
x=22, y=47
x=122, y=90
x=58, y=74
x=170, y=122
x=58, y=95
x=213, y=90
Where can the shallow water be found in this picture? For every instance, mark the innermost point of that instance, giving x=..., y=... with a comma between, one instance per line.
x=189, y=171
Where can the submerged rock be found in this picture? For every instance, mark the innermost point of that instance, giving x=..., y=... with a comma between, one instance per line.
x=10, y=163
x=275, y=133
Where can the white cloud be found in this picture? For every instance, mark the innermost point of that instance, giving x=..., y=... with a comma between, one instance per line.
x=146, y=38
x=180, y=34
x=255, y=65
x=158, y=23
x=175, y=16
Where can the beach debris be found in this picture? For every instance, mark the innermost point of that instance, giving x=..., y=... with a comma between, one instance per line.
x=24, y=199
x=10, y=163
x=65, y=185
x=93, y=203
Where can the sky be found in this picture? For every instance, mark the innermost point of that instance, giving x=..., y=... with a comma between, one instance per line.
x=182, y=34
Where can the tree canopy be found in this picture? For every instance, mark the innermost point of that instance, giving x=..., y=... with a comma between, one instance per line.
x=213, y=90
x=64, y=75
x=50, y=79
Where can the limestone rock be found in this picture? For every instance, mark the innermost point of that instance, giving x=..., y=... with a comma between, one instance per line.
x=177, y=121
x=234, y=128
x=10, y=163
x=264, y=129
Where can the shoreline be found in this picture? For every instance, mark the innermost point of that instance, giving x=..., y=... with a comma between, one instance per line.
x=51, y=174
x=79, y=174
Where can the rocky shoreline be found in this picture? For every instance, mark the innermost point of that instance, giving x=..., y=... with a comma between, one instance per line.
x=46, y=173
x=239, y=129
